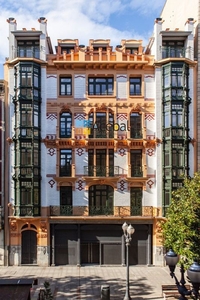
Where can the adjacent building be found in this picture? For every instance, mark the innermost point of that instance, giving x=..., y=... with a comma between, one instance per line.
x=84, y=147
x=176, y=104
x=2, y=165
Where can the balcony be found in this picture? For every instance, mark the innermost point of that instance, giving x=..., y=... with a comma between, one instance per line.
x=100, y=210
x=136, y=172
x=102, y=171
x=136, y=134
x=62, y=210
x=26, y=210
x=31, y=52
x=169, y=52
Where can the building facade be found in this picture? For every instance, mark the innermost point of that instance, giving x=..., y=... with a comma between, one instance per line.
x=2, y=165
x=176, y=104
x=84, y=147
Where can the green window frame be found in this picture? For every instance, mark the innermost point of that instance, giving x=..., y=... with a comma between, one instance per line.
x=136, y=201
x=101, y=200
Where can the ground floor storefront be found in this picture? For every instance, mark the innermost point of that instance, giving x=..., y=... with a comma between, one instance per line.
x=102, y=244
x=54, y=242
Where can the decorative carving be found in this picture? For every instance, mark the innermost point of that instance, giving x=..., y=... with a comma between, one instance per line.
x=13, y=225
x=150, y=183
x=80, y=185
x=43, y=226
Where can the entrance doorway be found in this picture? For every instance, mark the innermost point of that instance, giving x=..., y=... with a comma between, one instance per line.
x=29, y=247
x=90, y=253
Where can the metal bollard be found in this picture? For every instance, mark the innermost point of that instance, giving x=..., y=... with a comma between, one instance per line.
x=105, y=292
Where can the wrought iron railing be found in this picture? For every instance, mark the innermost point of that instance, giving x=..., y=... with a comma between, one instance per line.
x=136, y=171
x=26, y=210
x=62, y=210
x=173, y=52
x=136, y=210
x=99, y=134
x=100, y=210
x=136, y=134
x=28, y=52
x=66, y=210
x=101, y=171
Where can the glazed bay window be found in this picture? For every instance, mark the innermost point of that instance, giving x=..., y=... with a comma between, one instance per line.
x=65, y=125
x=28, y=49
x=65, y=200
x=136, y=163
x=65, y=162
x=100, y=86
x=135, y=86
x=65, y=86
x=136, y=201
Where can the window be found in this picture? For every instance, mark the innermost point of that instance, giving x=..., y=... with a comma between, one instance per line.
x=136, y=201
x=66, y=201
x=67, y=49
x=101, y=125
x=135, y=86
x=100, y=86
x=101, y=200
x=65, y=162
x=26, y=154
x=177, y=115
x=135, y=126
x=136, y=163
x=65, y=125
x=173, y=49
x=97, y=163
x=28, y=49
x=66, y=86
x=132, y=50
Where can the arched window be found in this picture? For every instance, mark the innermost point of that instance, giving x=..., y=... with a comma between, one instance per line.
x=65, y=125
x=101, y=200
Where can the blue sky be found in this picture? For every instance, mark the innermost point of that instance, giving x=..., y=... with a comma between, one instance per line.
x=82, y=19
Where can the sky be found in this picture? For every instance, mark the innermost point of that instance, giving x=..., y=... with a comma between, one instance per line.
x=81, y=19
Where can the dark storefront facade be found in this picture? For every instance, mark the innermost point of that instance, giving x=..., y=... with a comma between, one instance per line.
x=80, y=244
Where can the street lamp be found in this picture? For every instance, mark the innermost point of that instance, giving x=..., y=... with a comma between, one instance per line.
x=128, y=231
x=193, y=275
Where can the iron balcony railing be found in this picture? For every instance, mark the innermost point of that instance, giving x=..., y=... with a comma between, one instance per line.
x=26, y=210
x=136, y=172
x=174, y=52
x=100, y=210
x=135, y=134
x=102, y=171
x=101, y=134
x=136, y=210
x=32, y=52
x=62, y=210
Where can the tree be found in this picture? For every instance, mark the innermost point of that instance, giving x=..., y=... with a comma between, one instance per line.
x=181, y=231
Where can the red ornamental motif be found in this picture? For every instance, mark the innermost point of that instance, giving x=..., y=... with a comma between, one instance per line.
x=51, y=182
x=80, y=185
x=150, y=183
x=150, y=152
x=80, y=151
x=122, y=152
x=122, y=185
x=51, y=151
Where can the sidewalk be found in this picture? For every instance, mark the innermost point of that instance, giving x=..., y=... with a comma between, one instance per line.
x=71, y=282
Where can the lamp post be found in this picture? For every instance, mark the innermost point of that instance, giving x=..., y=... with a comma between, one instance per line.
x=193, y=275
x=128, y=231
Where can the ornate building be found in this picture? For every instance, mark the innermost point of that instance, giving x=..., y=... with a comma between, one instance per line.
x=84, y=147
